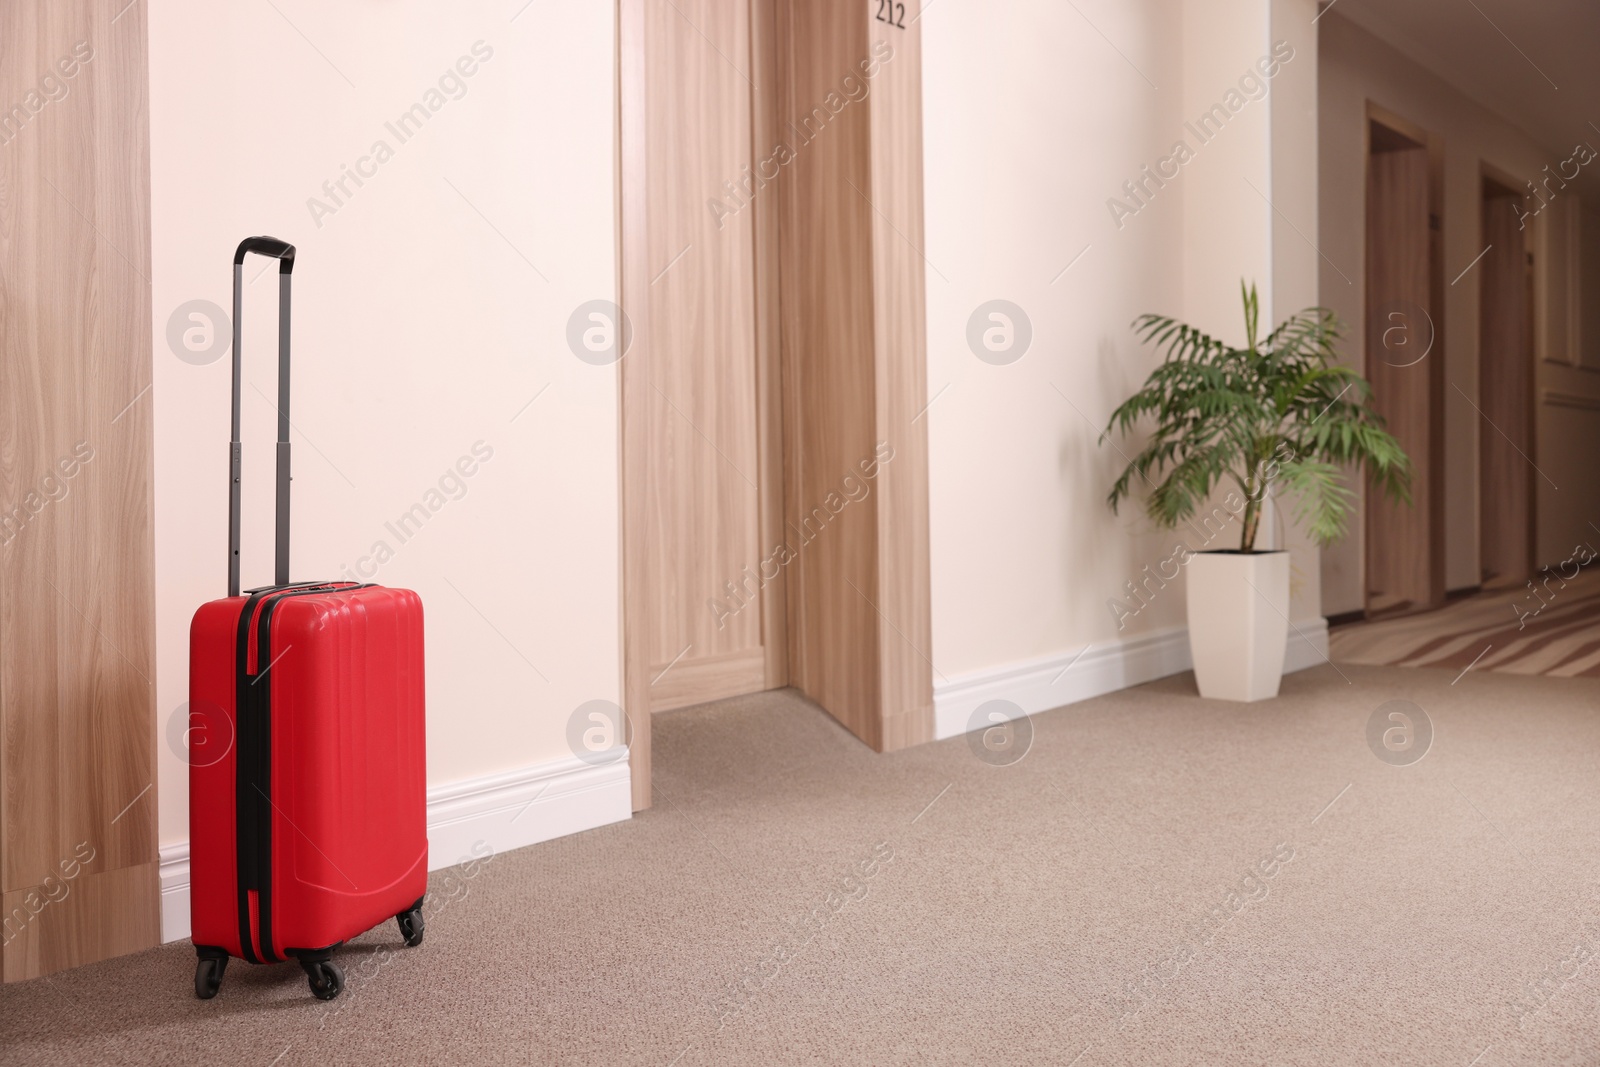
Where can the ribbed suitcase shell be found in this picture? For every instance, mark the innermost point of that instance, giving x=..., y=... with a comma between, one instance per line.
x=345, y=737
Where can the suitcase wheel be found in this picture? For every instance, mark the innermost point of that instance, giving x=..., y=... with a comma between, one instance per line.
x=325, y=978
x=208, y=976
x=411, y=925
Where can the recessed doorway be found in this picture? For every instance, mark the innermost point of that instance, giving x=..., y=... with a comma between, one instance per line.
x=775, y=473
x=1404, y=546
x=1505, y=390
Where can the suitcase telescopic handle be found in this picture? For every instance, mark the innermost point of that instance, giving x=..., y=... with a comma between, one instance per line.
x=283, y=252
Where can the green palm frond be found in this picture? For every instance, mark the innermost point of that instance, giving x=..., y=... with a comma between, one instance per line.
x=1279, y=411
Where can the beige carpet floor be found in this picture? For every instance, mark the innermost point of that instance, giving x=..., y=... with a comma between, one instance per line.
x=1161, y=880
x=1549, y=626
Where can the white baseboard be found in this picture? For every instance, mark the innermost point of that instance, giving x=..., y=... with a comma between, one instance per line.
x=505, y=811
x=1051, y=681
x=175, y=892
x=1308, y=645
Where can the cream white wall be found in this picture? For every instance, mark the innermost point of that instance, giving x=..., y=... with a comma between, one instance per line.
x=1250, y=210
x=1024, y=550
x=1356, y=67
x=1296, y=263
x=1034, y=116
x=1227, y=222
x=420, y=329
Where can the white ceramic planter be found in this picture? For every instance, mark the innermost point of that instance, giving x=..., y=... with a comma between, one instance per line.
x=1238, y=622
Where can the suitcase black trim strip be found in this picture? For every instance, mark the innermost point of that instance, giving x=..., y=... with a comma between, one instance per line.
x=245, y=775
x=253, y=785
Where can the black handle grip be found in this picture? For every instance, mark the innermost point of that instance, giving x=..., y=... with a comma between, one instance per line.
x=282, y=251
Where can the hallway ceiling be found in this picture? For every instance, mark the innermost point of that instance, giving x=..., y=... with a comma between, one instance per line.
x=1532, y=62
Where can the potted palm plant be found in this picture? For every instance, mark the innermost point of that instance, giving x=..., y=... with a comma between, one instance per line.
x=1278, y=412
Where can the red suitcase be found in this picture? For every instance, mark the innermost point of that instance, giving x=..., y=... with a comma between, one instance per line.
x=307, y=773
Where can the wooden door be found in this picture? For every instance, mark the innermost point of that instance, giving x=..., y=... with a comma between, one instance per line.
x=702, y=509
x=1404, y=553
x=78, y=859
x=1505, y=393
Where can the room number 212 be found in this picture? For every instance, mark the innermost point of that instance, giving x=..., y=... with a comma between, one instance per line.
x=893, y=13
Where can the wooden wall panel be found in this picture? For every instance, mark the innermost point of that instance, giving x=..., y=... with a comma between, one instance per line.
x=855, y=366
x=1402, y=543
x=93, y=916
x=905, y=624
x=1505, y=395
x=830, y=385
x=77, y=655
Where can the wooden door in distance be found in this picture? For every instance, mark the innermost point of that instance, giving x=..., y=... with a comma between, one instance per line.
x=1401, y=543
x=705, y=598
x=1505, y=395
